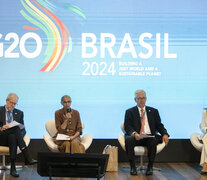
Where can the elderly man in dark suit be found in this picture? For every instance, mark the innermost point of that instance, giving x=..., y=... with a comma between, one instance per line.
x=13, y=137
x=143, y=119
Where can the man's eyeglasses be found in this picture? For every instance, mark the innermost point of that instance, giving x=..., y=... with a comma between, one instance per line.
x=12, y=103
x=142, y=98
x=65, y=102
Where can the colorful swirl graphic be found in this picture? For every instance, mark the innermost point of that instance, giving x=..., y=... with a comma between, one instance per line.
x=59, y=40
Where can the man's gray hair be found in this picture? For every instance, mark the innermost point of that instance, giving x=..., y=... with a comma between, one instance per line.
x=10, y=95
x=138, y=91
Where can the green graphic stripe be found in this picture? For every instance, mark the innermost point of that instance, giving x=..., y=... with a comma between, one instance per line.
x=70, y=44
x=76, y=10
x=74, y=6
x=44, y=26
x=48, y=50
x=33, y=21
x=47, y=4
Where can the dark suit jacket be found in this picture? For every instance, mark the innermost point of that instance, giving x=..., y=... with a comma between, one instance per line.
x=133, y=123
x=17, y=116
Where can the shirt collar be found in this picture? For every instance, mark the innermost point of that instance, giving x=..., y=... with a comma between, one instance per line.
x=7, y=109
x=144, y=108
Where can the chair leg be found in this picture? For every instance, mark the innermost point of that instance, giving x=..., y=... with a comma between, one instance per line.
x=4, y=167
x=141, y=166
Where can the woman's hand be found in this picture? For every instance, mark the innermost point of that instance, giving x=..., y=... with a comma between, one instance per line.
x=64, y=124
x=68, y=115
x=71, y=137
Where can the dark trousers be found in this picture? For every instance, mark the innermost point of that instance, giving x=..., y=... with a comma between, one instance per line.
x=12, y=137
x=150, y=143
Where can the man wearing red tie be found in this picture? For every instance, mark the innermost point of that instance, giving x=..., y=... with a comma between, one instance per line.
x=143, y=119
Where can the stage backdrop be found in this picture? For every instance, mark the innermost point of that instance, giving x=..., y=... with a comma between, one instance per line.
x=99, y=52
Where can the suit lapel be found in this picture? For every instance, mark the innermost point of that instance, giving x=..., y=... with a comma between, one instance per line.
x=148, y=111
x=149, y=117
x=138, y=121
x=15, y=115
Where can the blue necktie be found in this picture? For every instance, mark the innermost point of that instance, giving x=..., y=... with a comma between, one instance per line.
x=9, y=116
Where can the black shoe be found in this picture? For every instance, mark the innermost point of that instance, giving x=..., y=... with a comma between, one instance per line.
x=14, y=173
x=31, y=162
x=149, y=171
x=27, y=157
x=133, y=170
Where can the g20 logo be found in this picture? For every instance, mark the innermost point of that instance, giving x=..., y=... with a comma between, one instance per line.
x=10, y=51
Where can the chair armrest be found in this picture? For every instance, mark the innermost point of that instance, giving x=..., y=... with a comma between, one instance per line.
x=86, y=140
x=160, y=147
x=50, y=143
x=194, y=138
x=26, y=140
x=121, y=140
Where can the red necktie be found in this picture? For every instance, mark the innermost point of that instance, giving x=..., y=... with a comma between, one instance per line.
x=142, y=121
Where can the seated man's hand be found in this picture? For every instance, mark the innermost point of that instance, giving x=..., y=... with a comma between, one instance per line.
x=165, y=139
x=137, y=136
x=4, y=127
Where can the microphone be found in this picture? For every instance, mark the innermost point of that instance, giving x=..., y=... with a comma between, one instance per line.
x=70, y=119
x=69, y=110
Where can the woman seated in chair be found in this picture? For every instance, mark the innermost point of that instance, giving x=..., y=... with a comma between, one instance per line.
x=68, y=122
x=203, y=127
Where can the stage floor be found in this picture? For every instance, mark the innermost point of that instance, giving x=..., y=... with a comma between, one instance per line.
x=169, y=171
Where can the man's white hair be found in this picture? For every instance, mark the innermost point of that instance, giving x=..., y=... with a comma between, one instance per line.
x=12, y=94
x=138, y=91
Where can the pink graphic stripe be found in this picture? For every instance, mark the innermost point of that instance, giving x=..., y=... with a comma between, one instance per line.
x=30, y=28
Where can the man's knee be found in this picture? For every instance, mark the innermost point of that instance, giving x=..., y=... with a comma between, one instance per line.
x=12, y=139
x=15, y=130
x=152, y=142
x=129, y=143
x=129, y=140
